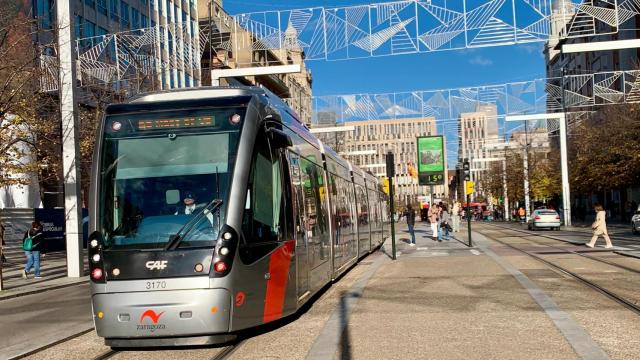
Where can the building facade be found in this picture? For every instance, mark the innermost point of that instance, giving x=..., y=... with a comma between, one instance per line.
x=368, y=143
x=172, y=55
x=564, y=16
x=229, y=46
x=476, y=130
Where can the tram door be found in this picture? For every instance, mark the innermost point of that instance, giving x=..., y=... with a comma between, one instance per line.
x=302, y=246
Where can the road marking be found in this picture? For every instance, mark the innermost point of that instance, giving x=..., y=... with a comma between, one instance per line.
x=437, y=253
x=422, y=248
x=475, y=252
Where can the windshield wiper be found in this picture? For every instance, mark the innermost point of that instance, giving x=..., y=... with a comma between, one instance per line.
x=175, y=240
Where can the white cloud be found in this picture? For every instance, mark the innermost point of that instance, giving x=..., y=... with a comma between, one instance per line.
x=480, y=60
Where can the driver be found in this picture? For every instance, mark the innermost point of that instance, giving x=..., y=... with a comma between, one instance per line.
x=189, y=206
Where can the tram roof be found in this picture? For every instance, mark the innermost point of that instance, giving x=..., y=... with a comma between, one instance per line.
x=197, y=93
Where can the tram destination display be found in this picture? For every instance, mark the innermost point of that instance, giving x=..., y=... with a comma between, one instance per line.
x=178, y=123
x=431, y=167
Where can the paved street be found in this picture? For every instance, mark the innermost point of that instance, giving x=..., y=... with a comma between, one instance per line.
x=438, y=300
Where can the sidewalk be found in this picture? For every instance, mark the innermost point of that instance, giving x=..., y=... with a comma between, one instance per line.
x=447, y=301
x=53, y=269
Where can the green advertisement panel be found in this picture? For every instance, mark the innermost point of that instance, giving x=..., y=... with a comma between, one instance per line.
x=431, y=160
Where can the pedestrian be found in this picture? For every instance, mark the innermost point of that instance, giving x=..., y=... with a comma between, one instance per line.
x=455, y=216
x=522, y=215
x=2, y=243
x=433, y=219
x=411, y=221
x=31, y=244
x=599, y=227
x=443, y=226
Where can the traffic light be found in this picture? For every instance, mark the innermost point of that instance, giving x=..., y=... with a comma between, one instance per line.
x=466, y=170
x=391, y=165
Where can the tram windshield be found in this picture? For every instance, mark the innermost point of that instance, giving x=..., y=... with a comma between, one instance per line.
x=160, y=169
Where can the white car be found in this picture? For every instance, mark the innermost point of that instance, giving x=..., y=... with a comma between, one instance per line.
x=544, y=218
x=635, y=222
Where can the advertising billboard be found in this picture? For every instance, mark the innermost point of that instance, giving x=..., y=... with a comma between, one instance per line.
x=431, y=169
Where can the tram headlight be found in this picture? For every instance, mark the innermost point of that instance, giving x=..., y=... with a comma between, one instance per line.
x=223, y=251
x=95, y=258
x=94, y=243
x=227, y=236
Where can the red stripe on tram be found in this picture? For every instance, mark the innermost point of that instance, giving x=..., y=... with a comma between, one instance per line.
x=279, y=264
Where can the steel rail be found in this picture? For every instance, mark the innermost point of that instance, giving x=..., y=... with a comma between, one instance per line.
x=228, y=351
x=626, y=303
x=106, y=355
x=623, y=267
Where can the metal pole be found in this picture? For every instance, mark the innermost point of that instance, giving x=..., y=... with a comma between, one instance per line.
x=504, y=185
x=393, y=226
x=527, y=200
x=564, y=161
x=469, y=218
x=70, y=148
x=566, y=192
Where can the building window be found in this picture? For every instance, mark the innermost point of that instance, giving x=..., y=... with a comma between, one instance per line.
x=102, y=7
x=90, y=3
x=124, y=14
x=113, y=6
x=43, y=12
x=135, y=18
x=144, y=21
x=78, y=26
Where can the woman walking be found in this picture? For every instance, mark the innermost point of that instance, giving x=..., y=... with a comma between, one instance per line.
x=31, y=244
x=455, y=217
x=599, y=227
x=443, y=226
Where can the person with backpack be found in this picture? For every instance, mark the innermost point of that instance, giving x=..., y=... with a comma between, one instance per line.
x=31, y=244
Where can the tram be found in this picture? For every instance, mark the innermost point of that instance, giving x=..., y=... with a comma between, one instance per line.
x=215, y=210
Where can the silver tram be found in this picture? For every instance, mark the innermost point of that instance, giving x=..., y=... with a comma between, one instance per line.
x=215, y=210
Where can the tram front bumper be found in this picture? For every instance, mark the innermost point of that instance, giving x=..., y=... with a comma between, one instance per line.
x=142, y=317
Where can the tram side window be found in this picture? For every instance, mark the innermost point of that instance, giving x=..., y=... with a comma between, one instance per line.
x=363, y=207
x=264, y=217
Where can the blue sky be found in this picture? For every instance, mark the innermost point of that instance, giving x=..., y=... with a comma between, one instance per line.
x=437, y=70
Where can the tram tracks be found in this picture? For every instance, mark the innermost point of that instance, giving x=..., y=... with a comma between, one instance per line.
x=632, y=305
x=620, y=266
x=223, y=353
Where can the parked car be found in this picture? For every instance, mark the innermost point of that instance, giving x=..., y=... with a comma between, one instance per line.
x=544, y=218
x=635, y=222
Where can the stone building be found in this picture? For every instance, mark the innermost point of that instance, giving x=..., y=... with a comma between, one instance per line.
x=230, y=47
x=370, y=140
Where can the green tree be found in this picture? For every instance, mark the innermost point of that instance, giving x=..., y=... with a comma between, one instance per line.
x=605, y=151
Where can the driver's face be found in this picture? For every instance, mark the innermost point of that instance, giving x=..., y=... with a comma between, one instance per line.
x=188, y=201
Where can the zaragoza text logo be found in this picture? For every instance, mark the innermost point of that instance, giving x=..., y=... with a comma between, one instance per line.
x=154, y=317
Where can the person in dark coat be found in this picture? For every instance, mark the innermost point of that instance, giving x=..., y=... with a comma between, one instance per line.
x=4, y=259
x=411, y=221
x=33, y=255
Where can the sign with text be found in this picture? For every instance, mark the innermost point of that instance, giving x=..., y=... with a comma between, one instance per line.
x=431, y=169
